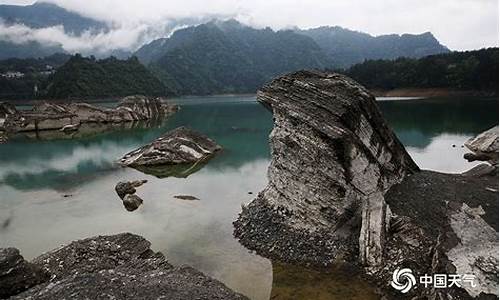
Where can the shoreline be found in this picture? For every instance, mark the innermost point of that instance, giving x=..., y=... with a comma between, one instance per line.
x=430, y=92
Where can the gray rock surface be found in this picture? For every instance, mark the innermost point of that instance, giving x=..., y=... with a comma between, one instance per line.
x=118, y=267
x=484, y=147
x=331, y=152
x=342, y=188
x=181, y=146
x=16, y=274
x=50, y=116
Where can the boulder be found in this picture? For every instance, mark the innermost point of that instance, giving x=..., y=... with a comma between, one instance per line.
x=484, y=147
x=177, y=152
x=332, y=153
x=118, y=267
x=126, y=191
x=132, y=202
x=16, y=274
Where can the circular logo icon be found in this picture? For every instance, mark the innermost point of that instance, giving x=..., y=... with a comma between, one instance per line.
x=403, y=280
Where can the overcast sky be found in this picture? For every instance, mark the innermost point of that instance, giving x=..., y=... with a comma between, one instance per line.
x=458, y=24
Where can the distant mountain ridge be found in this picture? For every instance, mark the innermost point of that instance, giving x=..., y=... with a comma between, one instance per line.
x=347, y=47
x=43, y=14
x=228, y=57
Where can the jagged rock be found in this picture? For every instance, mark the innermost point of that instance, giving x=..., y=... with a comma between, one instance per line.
x=16, y=274
x=51, y=116
x=179, y=152
x=342, y=187
x=132, y=202
x=331, y=151
x=484, y=147
x=119, y=267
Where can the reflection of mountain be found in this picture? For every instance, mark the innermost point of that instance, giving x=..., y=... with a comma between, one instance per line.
x=416, y=122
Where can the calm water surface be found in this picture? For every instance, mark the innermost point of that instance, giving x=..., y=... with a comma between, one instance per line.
x=58, y=190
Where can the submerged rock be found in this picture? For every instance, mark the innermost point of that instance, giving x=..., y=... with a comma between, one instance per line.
x=343, y=188
x=118, y=267
x=179, y=152
x=331, y=153
x=50, y=116
x=484, y=147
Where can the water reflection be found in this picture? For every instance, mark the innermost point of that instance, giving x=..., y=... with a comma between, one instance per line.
x=36, y=177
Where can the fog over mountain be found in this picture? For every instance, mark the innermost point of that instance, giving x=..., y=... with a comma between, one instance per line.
x=458, y=24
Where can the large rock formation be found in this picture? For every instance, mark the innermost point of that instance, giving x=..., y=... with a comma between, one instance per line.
x=179, y=152
x=332, y=154
x=109, y=267
x=50, y=116
x=342, y=187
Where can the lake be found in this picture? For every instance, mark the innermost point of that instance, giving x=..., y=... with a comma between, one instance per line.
x=53, y=191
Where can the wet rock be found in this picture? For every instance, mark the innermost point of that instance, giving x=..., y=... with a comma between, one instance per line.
x=119, y=267
x=123, y=188
x=331, y=152
x=484, y=147
x=132, y=202
x=180, y=147
x=16, y=274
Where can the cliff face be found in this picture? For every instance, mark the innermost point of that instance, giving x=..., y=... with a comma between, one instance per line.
x=331, y=153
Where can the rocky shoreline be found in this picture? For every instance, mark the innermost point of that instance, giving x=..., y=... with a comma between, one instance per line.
x=342, y=188
x=67, y=118
x=119, y=266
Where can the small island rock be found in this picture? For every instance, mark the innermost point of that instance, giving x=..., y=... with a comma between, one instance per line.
x=181, y=146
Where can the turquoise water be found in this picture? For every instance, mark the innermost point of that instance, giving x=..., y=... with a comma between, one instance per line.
x=55, y=190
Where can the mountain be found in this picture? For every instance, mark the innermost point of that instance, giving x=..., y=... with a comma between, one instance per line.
x=82, y=77
x=346, y=47
x=470, y=70
x=228, y=57
x=41, y=14
x=27, y=50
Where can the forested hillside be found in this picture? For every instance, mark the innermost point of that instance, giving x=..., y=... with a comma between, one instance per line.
x=91, y=78
x=469, y=70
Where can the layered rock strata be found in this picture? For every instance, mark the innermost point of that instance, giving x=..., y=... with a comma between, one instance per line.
x=118, y=267
x=343, y=188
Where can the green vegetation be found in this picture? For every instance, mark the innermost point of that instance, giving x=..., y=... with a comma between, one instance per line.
x=35, y=72
x=91, y=78
x=227, y=57
x=469, y=70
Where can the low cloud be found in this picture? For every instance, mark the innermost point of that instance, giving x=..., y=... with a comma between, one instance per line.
x=89, y=42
